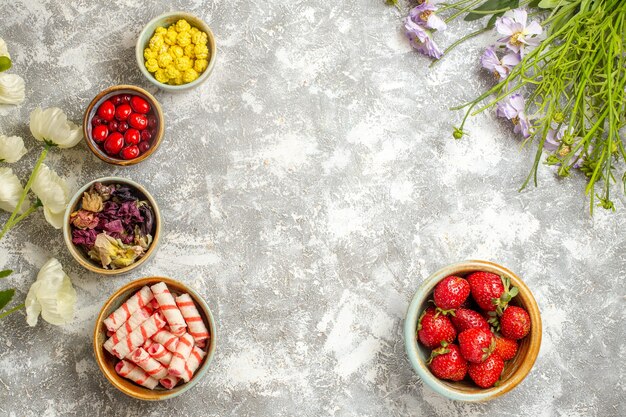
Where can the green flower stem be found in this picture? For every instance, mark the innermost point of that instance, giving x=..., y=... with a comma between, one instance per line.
x=27, y=213
x=9, y=224
x=11, y=311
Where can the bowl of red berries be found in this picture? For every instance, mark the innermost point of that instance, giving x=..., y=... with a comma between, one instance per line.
x=473, y=331
x=123, y=125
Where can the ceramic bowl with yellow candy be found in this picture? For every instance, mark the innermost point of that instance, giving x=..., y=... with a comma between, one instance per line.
x=176, y=51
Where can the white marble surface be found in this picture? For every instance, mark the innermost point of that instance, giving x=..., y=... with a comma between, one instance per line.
x=307, y=189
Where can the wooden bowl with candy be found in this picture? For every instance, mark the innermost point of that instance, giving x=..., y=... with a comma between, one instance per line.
x=154, y=338
x=123, y=125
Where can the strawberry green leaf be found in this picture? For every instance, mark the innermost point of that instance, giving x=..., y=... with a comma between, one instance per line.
x=5, y=273
x=5, y=297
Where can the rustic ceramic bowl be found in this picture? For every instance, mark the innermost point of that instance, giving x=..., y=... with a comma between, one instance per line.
x=165, y=20
x=79, y=254
x=105, y=95
x=107, y=362
x=515, y=370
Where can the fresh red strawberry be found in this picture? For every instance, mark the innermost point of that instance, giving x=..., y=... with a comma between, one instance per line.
x=451, y=292
x=490, y=291
x=446, y=362
x=505, y=348
x=434, y=328
x=476, y=344
x=515, y=323
x=463, y=319
x=486, y=374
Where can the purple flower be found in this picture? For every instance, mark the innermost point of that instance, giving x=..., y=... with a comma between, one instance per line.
x=129, y=213
x=84, y=237
x=424, y=15
x=517, y=35
x=499, y=67
x=420, y=39
x=114, y=226
x=513, y=109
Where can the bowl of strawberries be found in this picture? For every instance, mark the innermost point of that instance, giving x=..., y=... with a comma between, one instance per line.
x=473, y=331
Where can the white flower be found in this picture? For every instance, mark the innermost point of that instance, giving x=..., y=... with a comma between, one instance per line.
x=11, y=89
x=53, y=193
x=3, y=48
x=10, y=191
x=11, y=148
x=52, y=295
x=52, y=125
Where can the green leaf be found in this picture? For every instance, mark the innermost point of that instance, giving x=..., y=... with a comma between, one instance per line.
x=5, y=273
x=5, y=297
x=491, y=5
x=551, y=4
x=5, y=63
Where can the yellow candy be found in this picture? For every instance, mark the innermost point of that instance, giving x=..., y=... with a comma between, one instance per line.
x=156, y=42
x=183, y=63
x=149, y=54
x=176, y=51
x=183, y=26
x=171, y=36
x=190, y=75
x=201, y=51
x=199, y=38
x=160, y=30
x=193, y=30
x=189, y=51
x=161, y=76
x=172, y=72
x=183, y=39
x=200, y=65
x=177, y=81
x=152, y=65
x=165, y=60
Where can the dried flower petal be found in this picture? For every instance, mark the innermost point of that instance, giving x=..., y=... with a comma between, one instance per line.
x=84, y=219
x=112, y=252
x=92, y=202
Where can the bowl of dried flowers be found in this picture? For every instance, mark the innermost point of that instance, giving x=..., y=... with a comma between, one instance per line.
x=112, y=225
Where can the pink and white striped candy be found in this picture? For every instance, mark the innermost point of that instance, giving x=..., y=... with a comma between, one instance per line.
x=140, y=299
x=195, y=324
x=193, y=363
x=135, y=320
x=139, y=335
x=148, y=363
x=183, y=350
x=158, y=352
x=169, y=381
x=167, y=339
x=170, y=310
x=136, y=374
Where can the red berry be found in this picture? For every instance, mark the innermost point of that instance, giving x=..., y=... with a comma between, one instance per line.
x=144, y=146
x=123, y=111
x=514, y=323
x=117, y=100
x=434, y=328
x=152, y=121
x=505, y=348
x=446, y=362
x=138, y=121
x=97, y=121
x=476, y=344
x=464, y=319
x=487, y=373
x=139, y=105
x=130, y=152
x=126, y=98
x=485, y=287
x=106, y=110
x=146, y=135
x=100, y=133
x=451, y=292
x=114, y=143
x=122, y=127
x=132, y=137
x=113, y=125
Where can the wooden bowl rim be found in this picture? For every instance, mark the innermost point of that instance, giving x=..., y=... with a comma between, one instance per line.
x=75, y=252
x=446, y=388
x=139, y=392
x=89, y=114
x=140, y=46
